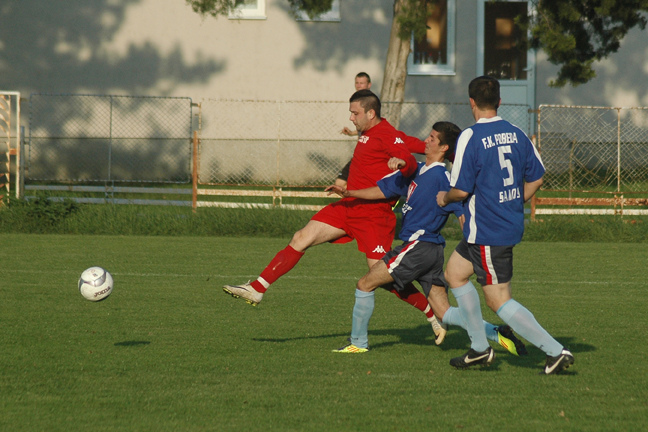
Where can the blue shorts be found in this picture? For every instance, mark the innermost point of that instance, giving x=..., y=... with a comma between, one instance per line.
x=492, y=264
x=416, y=261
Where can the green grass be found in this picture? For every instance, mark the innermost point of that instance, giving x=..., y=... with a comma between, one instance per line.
x=42, y=216
x=168, y=351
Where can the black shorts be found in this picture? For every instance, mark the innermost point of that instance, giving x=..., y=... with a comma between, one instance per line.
x=492, y=264
x=416, y=261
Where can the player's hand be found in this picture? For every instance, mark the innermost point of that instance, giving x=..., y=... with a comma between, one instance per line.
x=349, y=132
x=335, y=189
x=396, y=163
x=441, y=198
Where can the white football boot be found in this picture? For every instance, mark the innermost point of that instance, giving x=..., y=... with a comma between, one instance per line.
x=246, y=292
x=439, y=329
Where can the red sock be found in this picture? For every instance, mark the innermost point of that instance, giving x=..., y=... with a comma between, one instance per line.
x=414, y=297
x=281, y=264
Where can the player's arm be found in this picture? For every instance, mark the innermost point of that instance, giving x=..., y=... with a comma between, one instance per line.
x=452, y=196
x=349, y=132
x=343, y=175
x=400, y=151
x=531, y=188
x=414, y=145
x=372, y=193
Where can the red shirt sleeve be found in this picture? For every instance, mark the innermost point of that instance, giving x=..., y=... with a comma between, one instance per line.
x=414, y=145
x=402, y=152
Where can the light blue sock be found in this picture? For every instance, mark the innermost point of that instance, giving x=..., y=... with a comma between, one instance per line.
x=453, y=317
x=470, y=309
x=491, y=331
x=362, y=311
x=524, y=323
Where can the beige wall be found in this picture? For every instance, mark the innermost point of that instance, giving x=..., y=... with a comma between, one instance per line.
x=161, y=47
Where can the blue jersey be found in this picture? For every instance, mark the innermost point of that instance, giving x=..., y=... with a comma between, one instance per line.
x=422, y=216
x=492, y=161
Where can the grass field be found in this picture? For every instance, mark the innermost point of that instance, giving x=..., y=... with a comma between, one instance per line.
x=169, y=351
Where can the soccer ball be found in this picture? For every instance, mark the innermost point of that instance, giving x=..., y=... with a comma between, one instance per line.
x=95, y=284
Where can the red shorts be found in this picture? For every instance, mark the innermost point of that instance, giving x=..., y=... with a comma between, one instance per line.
x=371, y=223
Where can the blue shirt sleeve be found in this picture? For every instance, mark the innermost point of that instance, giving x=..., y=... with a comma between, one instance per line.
x=534, y=167
x=465, y=169
x=394, y=185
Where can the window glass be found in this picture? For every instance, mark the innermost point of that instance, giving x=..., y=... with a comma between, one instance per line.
x=332, y=15
x=434, y=54
x=505, y=55
x=248, y=9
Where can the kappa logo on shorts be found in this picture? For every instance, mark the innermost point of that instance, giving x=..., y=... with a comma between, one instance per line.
x=379, y=249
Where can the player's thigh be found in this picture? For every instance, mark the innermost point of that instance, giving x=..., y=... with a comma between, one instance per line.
x=416, y=261
x=458, y=270
x=314, y=233
x=378, y=275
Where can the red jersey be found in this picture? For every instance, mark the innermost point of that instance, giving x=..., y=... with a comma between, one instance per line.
x=375, y=147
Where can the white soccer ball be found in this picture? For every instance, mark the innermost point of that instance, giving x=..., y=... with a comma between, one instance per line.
x=95, y=284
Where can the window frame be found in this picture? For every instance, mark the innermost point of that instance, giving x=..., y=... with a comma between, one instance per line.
x=435, y=69
x=257, y=13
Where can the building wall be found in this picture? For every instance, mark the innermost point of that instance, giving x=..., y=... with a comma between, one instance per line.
x=163, y=48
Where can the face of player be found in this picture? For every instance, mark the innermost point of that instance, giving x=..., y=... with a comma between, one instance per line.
x=359, y=117
x=362, y=83
x=433, y=144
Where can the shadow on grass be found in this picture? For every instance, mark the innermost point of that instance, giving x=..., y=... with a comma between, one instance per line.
x=132, y=343
x=456, y=339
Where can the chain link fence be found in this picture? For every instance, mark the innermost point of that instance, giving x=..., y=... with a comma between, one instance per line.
x=296, y=143
x=601, y=149
x=103, y=138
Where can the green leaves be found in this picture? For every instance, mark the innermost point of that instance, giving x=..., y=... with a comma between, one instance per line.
x=575, y=34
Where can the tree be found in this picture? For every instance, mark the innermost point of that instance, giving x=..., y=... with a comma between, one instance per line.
x=575, y=34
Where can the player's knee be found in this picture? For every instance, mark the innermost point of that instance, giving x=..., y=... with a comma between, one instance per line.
x=362, y=285
x=300, y=241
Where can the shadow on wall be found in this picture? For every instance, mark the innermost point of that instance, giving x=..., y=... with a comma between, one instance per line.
x=364, y=30
x=59, y=47
x=50, y=40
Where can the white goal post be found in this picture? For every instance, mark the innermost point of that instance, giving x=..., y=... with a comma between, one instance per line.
x=10, y=121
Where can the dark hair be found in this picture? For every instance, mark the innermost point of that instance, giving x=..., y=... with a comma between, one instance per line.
x=364, y=75
x=448, y=135
x=485, y=91
x=368, y=101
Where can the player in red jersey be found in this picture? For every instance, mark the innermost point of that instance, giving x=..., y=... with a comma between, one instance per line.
x=415, y=145
x=371, y=223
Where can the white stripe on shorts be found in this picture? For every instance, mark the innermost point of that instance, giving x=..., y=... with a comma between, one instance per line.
x=400, y=257
x=489, y=264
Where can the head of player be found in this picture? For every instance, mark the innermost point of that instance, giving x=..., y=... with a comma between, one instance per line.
x=362, y=81
x=440, y=144
x=364, y=106
x=484, y=94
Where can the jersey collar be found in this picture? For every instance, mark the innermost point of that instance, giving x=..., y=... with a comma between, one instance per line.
x=425, y=168
x=489, y=120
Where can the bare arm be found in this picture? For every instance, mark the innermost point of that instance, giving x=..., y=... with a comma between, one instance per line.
x=349, y=132
x=531, y=188
x=372, y=193
x=454, y=195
